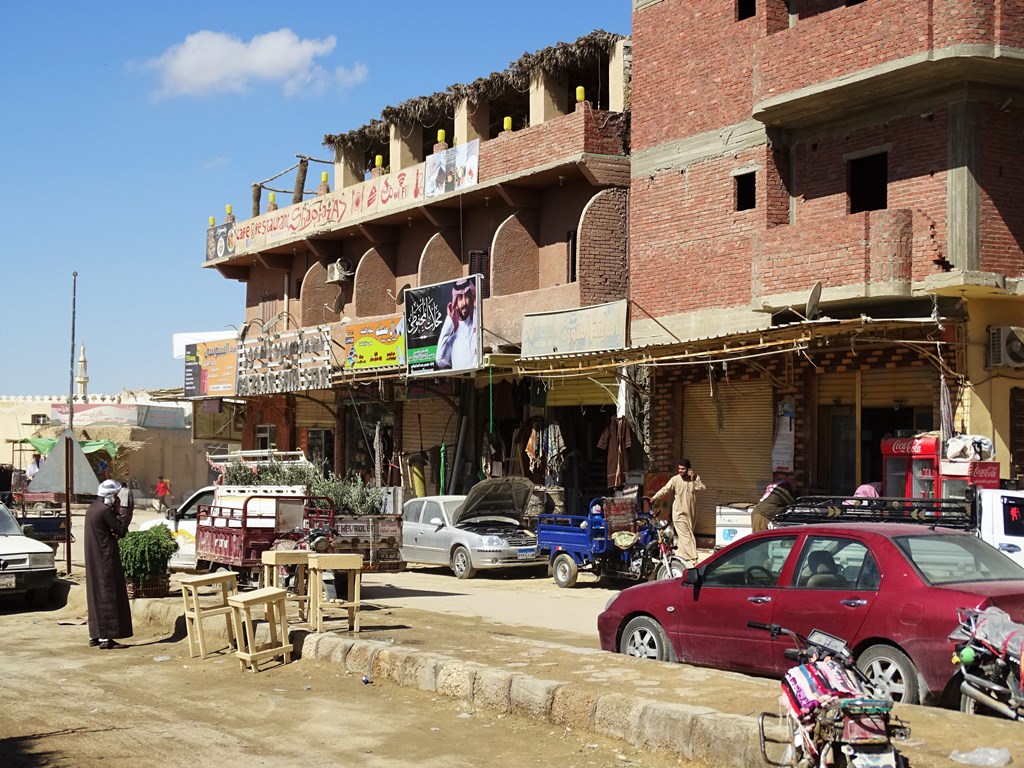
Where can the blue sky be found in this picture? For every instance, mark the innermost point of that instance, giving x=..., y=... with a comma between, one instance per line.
x=127, y=125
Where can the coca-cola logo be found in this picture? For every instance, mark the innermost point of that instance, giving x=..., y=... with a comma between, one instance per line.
x=986, y=472
x=906, y=445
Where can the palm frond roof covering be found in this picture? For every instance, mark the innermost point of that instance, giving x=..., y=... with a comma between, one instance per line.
x=427, y=110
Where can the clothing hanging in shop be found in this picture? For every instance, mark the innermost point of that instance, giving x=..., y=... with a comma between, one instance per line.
x=617, y=440
x=545, y=447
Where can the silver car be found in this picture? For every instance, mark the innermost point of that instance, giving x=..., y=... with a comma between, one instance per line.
x=483, y=529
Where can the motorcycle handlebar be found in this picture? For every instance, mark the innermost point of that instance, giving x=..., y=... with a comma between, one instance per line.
x=759, y=625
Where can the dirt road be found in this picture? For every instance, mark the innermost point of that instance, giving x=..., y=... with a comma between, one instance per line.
x=66, y=704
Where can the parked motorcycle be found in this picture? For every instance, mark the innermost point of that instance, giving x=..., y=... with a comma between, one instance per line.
x=987, y=646
x=662, y=551
x=831, y=717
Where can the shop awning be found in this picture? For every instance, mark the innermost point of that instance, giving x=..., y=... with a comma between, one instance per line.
x=792, y=337
x=45, y=445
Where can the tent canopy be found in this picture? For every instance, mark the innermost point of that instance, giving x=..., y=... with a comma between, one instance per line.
x=45, y=445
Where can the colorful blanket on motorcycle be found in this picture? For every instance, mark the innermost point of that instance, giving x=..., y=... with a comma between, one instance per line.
x=809, y=686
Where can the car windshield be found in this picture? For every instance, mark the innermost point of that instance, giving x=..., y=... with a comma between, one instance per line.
x=953, y=558
x=452, y=506
x=8, y=525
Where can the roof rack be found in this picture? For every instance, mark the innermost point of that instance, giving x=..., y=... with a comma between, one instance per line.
x=949, y=513
x=257, y=458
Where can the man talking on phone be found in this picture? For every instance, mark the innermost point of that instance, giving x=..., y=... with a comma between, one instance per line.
x=683, y=487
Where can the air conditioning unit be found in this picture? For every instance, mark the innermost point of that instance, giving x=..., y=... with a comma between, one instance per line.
x=1006, y=347
x=340, y=271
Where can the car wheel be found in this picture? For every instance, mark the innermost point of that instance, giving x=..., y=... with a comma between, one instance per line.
x=462, y=564
x=891, y=673
x=676, y=568
x=644, y=638
x=564, y=570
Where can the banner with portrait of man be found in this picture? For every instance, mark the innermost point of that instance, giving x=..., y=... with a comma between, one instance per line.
x=443, y=327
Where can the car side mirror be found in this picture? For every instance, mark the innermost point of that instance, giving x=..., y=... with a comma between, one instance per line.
x=28, y=529
x=172, y=514
x=692, y=577
x=438, y=522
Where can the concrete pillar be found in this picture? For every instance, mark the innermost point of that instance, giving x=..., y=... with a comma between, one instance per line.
x=619, y=63
x=963, y=197
x=471, y=121
x=348, y=167
x=406, y=146
x=549, y=97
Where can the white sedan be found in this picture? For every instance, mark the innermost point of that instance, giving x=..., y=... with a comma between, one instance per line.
x=481, y=530
x=26, y=565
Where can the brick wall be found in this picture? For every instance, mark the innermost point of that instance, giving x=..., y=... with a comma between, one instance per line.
x=690, y=248
x=601, y=248
x=585, y=130
x=1002, y=179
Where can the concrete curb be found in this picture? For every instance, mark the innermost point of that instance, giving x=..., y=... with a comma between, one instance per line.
x=694, y=733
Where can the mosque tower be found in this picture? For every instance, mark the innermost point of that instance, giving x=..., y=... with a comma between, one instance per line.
x=82, y=379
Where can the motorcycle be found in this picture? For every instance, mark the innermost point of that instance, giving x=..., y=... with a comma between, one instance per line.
x=662, y=551
x=987, y=646
x=831, y=716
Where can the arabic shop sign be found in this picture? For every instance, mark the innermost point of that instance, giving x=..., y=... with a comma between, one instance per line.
x=373, y=346
x=574, y=331
x=443, y=324
x=292, y=361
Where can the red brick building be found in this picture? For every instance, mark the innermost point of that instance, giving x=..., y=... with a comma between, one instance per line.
x=869, y=148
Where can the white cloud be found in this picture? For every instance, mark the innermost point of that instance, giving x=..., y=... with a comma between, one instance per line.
x=209, y=63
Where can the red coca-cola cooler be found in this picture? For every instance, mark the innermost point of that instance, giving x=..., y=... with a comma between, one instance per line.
x=914, y=467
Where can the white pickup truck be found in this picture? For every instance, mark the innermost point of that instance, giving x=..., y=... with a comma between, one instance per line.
x=271, y=510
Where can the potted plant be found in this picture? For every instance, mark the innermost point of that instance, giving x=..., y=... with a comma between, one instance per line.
x=144, y=556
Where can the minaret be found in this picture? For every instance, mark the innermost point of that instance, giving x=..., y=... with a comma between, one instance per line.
x=82, y=379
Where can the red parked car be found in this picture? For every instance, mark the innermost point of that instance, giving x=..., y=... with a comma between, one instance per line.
x=890, y=590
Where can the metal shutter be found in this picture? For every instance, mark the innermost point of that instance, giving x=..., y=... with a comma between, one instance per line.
x=310, y=414
x=597, y=389
x=913, y=386
x=735, y=464
x=425, y=425
x=837, y=388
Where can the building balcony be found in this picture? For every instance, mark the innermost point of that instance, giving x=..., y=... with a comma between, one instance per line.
x=851, y=59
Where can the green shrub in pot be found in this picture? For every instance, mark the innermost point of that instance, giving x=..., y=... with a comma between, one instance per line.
x=145, y=553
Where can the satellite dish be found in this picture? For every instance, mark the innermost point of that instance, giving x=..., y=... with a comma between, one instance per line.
x=338, y=303
x=811, y=311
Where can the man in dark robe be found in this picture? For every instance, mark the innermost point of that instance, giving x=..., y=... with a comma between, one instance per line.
x=106, y=521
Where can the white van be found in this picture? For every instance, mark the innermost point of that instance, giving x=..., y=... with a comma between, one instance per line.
x=182, y=523
x=1001, y=520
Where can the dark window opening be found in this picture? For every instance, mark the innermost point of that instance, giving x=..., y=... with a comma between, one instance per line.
x=745, y=9
x=570, y=256
x=868, y=179
x=480, y=264
x=854, y=2
x=746, y=191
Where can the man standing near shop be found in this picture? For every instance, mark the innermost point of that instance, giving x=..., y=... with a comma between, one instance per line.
x=683, y=487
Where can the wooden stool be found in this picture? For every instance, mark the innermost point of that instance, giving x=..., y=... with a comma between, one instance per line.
x=273, y=602
x=274, y=560
x=352, y=565
x=196, y=611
